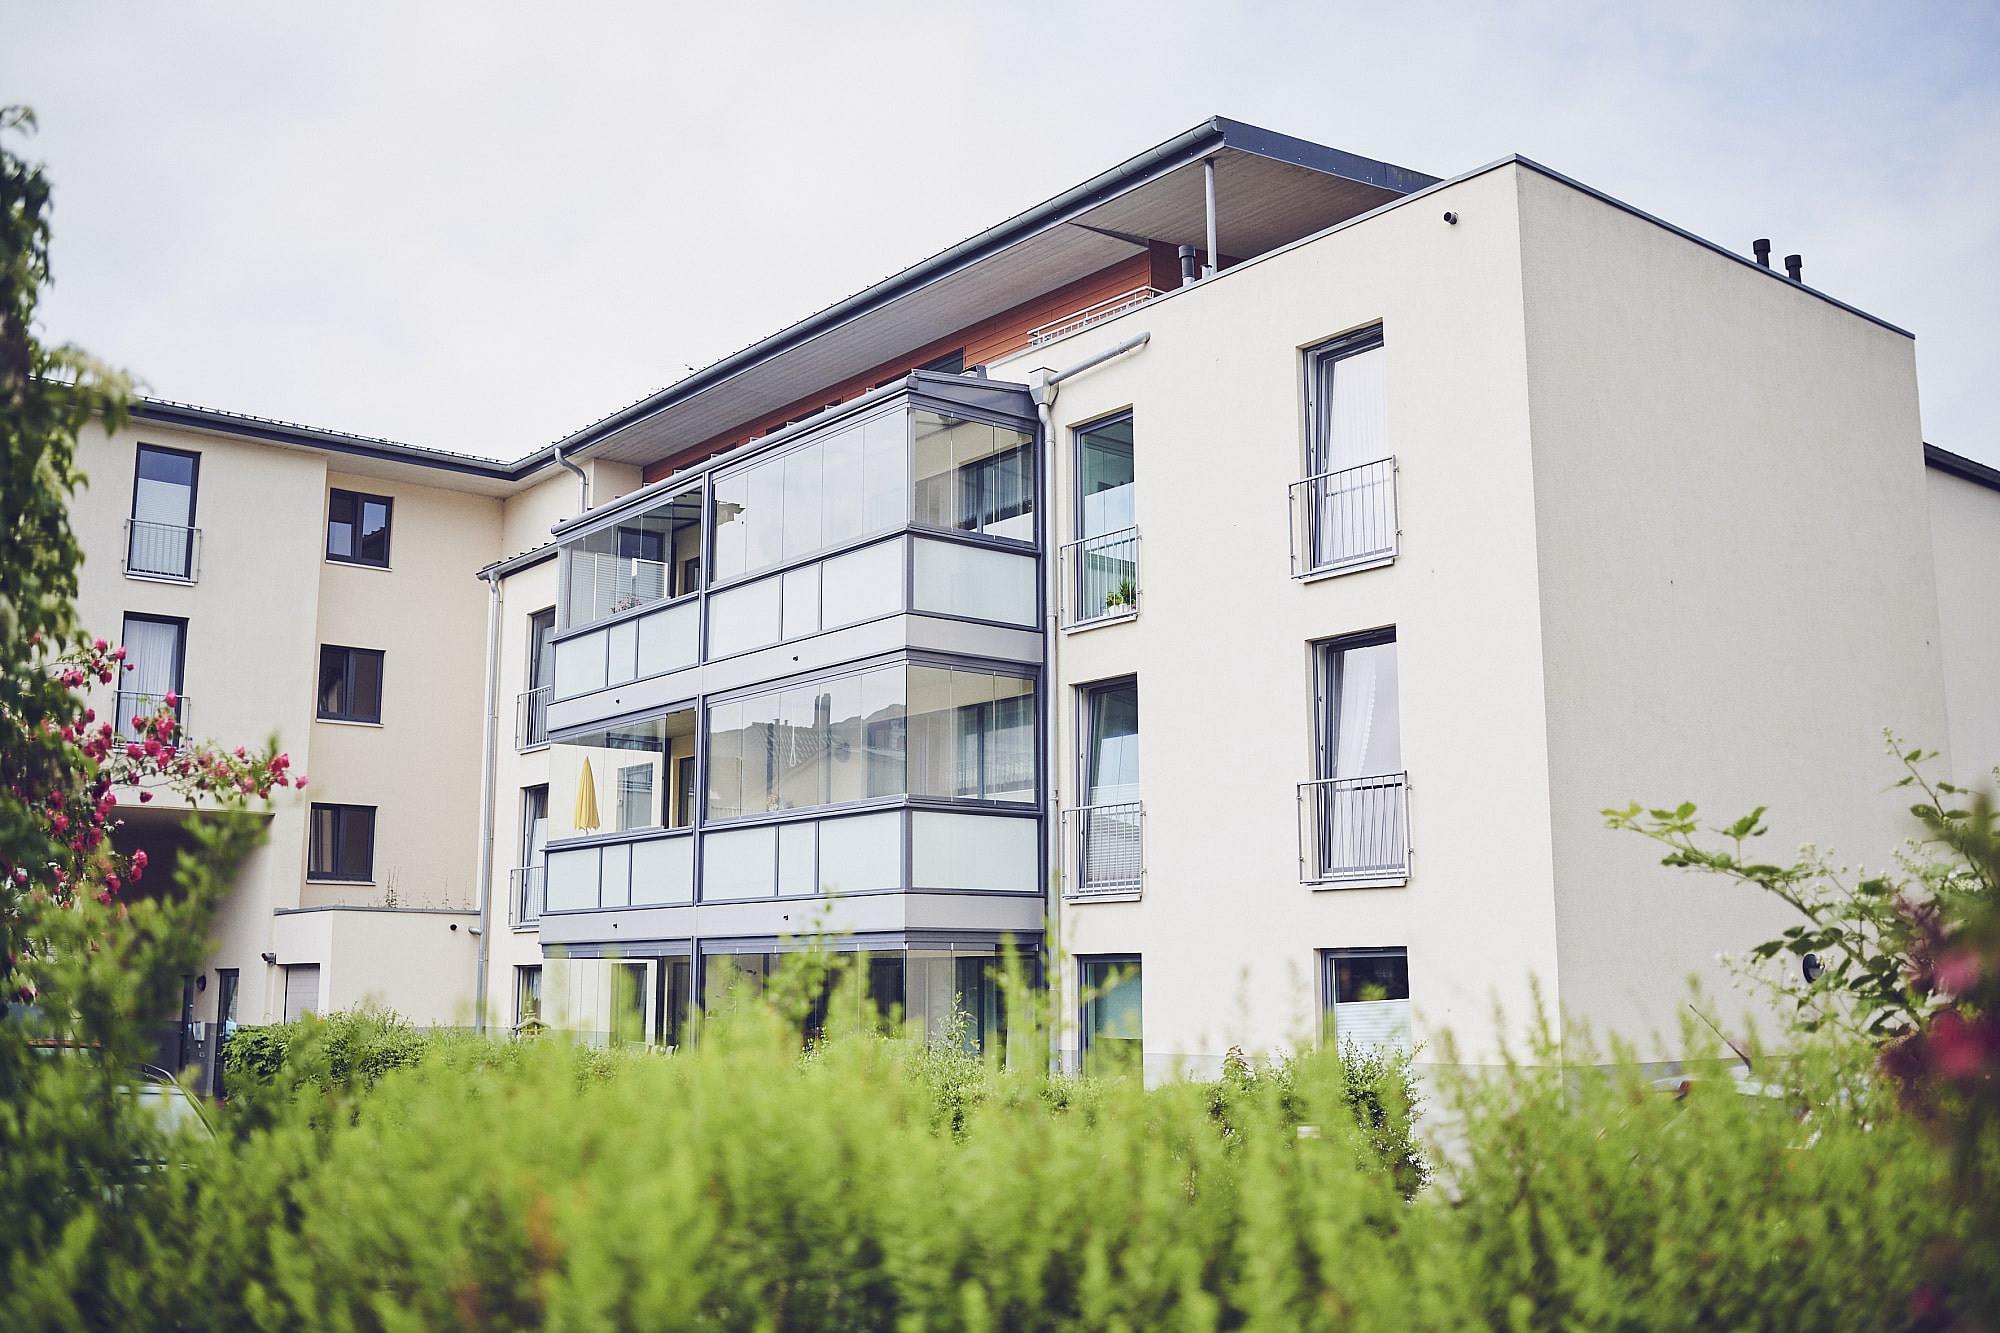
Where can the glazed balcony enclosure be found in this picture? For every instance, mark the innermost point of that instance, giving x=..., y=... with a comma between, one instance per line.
x=806, y=674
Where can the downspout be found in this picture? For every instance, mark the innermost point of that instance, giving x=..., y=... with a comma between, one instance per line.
x=1043, y=385
x=582, y=484
x=486, y=776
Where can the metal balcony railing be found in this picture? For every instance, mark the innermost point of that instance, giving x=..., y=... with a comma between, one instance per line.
x=1344, y=519
x=162, y=551
x=527, y=894
x=602, y=585
x=531, y=718
x=1092, y=314
x=143, y=704
x=1354, y=829
x=1107, y=848
x=1100, y=579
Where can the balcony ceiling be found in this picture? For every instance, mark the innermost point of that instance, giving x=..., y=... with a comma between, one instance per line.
x=1270, y=190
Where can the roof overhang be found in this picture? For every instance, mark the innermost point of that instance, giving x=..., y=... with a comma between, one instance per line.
x=1271, y=190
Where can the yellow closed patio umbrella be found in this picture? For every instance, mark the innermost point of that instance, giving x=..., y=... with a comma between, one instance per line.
x=586, y=797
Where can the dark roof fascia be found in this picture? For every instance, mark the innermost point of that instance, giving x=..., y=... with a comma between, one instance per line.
x=188, y=416
x=514, y=564
x=1958, y=465
x=1687, y=235
x=1205, y=139
x=924, y=388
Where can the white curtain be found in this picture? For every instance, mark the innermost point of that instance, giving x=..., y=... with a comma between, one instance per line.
x=1367, y=737
x=1353, y=426
x=153, y=649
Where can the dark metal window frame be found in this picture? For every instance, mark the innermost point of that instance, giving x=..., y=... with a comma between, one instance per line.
x=1333, y=349
x=341, y=871
x=1076, y=434
x=1322, y=651
x=348, y=711
x=388, y=504
x=194, y=499
x=1128, y=965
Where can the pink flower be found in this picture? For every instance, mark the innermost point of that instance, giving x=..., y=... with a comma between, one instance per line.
x=134, y=750
x=102, y=645
x=1958, y=971
x=300, y=783
x=172, y=700
x=144, y=797
x=117, y=654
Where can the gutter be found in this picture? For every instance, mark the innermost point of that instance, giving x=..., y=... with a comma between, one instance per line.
x=486, y=777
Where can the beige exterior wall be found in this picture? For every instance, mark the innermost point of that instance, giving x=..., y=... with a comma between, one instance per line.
x=418, y=962
x=1737, y=593
x=1965, y=541
x=1228, y=935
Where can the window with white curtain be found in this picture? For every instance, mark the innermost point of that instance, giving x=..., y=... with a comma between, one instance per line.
x=1356, y=826
x=1347, y=398
x=155, y=651
x=1347, y=504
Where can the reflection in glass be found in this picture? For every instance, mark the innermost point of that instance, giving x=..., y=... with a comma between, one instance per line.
x=648, y=557
x=1113, y=1013
x=954, y=579
x=833, y=489
x=974, y=477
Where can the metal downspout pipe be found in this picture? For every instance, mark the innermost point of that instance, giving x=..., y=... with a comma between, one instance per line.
x=1043, y=386
x=486, y=776
x=583, y=481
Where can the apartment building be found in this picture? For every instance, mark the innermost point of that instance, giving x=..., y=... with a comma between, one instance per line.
x=1238, y=582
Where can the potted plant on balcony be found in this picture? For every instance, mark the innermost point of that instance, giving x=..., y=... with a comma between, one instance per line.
x=1126, y=594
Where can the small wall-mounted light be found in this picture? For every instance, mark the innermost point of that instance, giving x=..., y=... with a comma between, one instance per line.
x=1811, y=966
x=270, y=958
x=1451, y=219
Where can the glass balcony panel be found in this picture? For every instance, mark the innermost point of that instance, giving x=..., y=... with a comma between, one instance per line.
x=764, y=538
x=799, y=740
x=798, y=860
x=862, y=585
x=667, y=640
x=745, y=618
x=614, y=780
x=953, y=851
x=621, y=652
x=975, y=581
x=633, y=563
x=732, y=526
x=580, y=665
x=801, y=602
x=860, y=853
x=663, y=872
x=725, y=760
x=844, y=478
x=886, y=447
x=804, y=529
x=572, y=880
x=973, y=477
x=846, y=757
x=738, y=863
x=615, y=876
x=884, y=727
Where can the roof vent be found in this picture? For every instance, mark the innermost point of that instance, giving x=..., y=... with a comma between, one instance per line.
x=1762, y=246
x=1793, y=265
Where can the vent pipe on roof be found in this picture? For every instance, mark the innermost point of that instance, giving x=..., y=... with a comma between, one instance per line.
x=1190, y=264
x=1762, y=247
x=1794, y=264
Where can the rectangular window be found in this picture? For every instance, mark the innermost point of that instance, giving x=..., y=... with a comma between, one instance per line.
x=350, y=684
x=684, y=792
x=357, y=528
x=301, y=990
x=647, y=557
x=1347, y=504
x=534, y=824
x=1108, y=827
x=541, y=649
x=1367, y=997
x=155, y=654
x=527, y=995
x=611, y=780
x=635, y=797
x=974, y=477
x=1113, y=1013
x=163, y=495
x=1103, y=561
x=1355, y=807
x=341, y=843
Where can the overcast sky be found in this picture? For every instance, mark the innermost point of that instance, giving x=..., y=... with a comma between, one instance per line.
x=482, y=226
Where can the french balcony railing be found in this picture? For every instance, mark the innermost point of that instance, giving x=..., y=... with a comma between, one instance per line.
x=527, y=894
x=531, y=718
x=1344, y=520
x=162, y=551
x=603, y=585
x=1107, y=849
x=1100, y=578
x=1091, y=314
x=143, y=704
x=1354, y=830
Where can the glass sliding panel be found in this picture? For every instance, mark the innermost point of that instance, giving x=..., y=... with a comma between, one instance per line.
x=846, y=756
x=862, y=585
x=886, y=445
x=973, y=477
x=801, y=602
x=804, y=529
x=732, y=525
x=974, y=852
x=633, y=563
x=799, y=744
x=572, y=880
x=975, y=581
x=663, y=872
x=844, y=482
x=580, y=665
x=613, y=780
x=668, y=639
x=885, y=730
x=739, y=863
x=860, y=853
x=971, y=735
x=745, y=618
x=725, y=760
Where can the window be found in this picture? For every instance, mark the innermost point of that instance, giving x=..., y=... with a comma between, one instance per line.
x=974, y=477
x=541, y=649
x=527, y=995
x=350, y=684
x=1355, y=807
x=162, y=532
x=1108, y=826
x=301, y=990
x=529, y=876
x=647, y=557
x=672, y=995
x=1113, y=1013
x=611, y=780
x=1103, y=561
x=683, y=816
x=357, y=528
x=635, y=797
x=155, y=653
x=1367, y=996
x=342, y=843
x=1347, y=504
